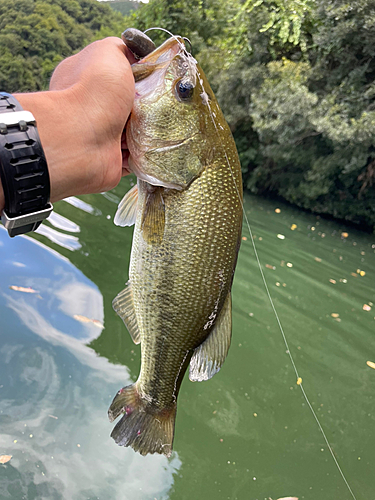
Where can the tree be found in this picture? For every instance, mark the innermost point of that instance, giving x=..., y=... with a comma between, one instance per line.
x=35, y=35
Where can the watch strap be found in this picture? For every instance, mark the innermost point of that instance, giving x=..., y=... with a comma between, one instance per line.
x=23, y=169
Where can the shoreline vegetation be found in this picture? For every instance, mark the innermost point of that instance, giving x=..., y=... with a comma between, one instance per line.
x=297, y=83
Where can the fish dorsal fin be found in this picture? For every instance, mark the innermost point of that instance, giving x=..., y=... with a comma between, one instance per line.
x=124, y=307
x=127, y=210
x=209, y=357
x=153, y=220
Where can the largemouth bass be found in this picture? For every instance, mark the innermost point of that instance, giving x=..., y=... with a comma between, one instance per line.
x=187, y=210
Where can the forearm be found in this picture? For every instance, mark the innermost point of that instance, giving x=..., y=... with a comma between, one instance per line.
x=81, y=120
x=61, y=139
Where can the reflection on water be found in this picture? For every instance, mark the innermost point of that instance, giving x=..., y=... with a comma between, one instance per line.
x=63, y=223
x=82, y=205
x=55, y=391
x=245, y=434
x=63, y=240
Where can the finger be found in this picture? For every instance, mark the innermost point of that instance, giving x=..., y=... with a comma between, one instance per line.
x=117, y=41
x=125, y=162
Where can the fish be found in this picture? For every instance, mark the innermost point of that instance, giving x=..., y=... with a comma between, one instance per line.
x=187, y=211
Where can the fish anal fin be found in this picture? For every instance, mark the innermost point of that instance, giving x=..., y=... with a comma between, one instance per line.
x=153, y=219
x=127, y=210
x=124, y=307
x=209, y=357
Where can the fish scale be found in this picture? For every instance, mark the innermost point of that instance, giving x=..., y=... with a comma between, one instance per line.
x=184, y=286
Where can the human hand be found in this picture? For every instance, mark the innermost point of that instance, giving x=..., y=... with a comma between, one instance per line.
x=82, y=118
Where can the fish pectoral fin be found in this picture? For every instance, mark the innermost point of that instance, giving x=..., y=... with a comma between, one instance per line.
x=209, y=357
x=124, y=307
x=127, y=210
x=153, y=220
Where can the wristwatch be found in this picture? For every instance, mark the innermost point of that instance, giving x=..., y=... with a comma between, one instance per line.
x=23, y=169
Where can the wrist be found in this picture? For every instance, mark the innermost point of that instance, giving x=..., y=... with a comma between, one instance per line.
x=61, y=140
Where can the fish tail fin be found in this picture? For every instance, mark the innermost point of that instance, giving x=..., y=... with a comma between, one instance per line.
x=144, y=428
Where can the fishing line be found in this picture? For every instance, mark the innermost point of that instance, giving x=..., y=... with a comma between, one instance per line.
x=299, y=379
x=169, y=33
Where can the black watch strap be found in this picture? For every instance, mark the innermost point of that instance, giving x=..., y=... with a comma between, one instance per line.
x=23, y=169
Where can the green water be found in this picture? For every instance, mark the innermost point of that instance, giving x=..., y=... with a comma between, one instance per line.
x=245, y=434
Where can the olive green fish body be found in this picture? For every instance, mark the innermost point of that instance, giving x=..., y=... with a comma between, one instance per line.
x=186, y=277
x=185, y=245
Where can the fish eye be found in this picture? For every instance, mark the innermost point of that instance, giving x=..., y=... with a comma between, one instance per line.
x=184, y=90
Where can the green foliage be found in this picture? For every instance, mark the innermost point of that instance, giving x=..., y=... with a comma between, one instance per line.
x=295, y=79
x=125, y=7
x=285, y=18
x=299, y=95
x=36, y=34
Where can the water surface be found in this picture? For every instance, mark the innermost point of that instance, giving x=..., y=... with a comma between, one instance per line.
x=245, y=434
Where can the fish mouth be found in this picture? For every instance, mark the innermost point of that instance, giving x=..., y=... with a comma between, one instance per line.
x=158, y=59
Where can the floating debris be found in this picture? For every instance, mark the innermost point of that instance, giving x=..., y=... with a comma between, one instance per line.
x=344, y=235
x=288, y=498
x=370, y=364
x=83, y=319
x=366, y=307
x=277, y=210
x=293, y=227
x=23, y=289
x=4, y=459
x=281, y=237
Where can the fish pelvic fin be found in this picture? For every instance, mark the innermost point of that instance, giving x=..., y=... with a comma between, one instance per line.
x=124, y=306
x=209, y=357
x=127, y=210
x=145, y=428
